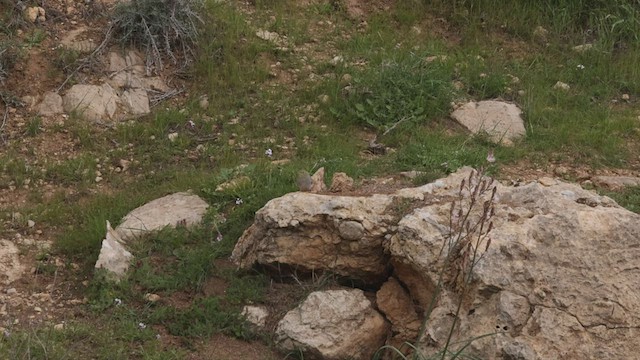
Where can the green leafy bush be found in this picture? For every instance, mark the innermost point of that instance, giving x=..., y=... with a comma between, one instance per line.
x=402, y=89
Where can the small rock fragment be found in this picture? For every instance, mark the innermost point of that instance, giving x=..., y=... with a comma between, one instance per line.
x=561, y=86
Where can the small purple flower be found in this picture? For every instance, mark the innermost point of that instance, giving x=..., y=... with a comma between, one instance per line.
x=191, y=124
x=239, y=201
x=219, y=237
x=142, y=326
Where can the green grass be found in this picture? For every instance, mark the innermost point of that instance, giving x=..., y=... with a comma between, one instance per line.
x=397, y=93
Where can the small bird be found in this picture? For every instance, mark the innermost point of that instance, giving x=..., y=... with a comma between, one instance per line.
x=304, y=181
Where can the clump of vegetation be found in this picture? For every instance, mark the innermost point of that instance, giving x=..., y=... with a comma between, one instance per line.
x=403, y=88
x=163, y=28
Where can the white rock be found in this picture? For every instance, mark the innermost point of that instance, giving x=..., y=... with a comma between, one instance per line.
x=256, y=315
x=333, y=325
x=583, y=48
x=172, y=136
x=500, y=120
x=10, y=267
x=50, y=105
x=92, y=102
x=136, y=102
x=114, y=257
x=561, y=86
x=171, y=210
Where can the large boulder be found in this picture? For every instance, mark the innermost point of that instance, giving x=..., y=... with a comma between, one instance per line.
x=319, y=232
x=556, y=277
x=333, y=325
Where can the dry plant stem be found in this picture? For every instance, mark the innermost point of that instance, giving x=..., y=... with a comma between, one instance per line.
x=463, y=242
x=93, y=55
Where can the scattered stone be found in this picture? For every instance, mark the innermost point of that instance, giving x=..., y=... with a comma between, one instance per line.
x=273, y=38
x=152, y=298
x=234, y=183
x=346, y=79
x=318, y=181
x=256, y=315
x=338, y=59
x=124, y=164
x=616, y=182
x=583, y=48
x=500, y=120
x=561, y=86
x=541, y=34
x=172, y=136
x=439, y=58
x=31, y=223
x=92, y=102
x=37, y=309
x=59, y=327
x=50, y=105
x=413, y=174
x=35, y=14
x=203, y=102
x=333, y=325
x=341, y=182
x=10, y=267
x=625, y=97
x=280, y=162
x=324, y=98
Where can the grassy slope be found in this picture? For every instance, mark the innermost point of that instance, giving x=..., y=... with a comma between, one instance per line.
x=487, y=47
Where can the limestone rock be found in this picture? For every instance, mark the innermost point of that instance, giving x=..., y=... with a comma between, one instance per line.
x=92, y=102
x=175, y=209
x=136, y=102
x=318, y=181
x=558, y=280
x=50, y=105
x=559, y=85
x=35, y=14
x=113, y=256
x=397, y=306
x=256, y=315
x=333, y=325
x=131, y=62
x=304, y=230
x=616, y=182
x=502, y=121
x=341, y=182
x=10, y=267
